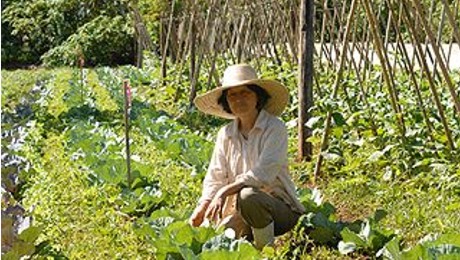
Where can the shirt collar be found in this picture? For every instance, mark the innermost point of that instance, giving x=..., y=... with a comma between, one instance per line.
x=260, y=124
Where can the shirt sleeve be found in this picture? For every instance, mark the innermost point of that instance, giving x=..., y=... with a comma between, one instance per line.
x=216, y=176
x=272, y=159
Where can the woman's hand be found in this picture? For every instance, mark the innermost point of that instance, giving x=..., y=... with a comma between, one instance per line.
x=214, y=210
x=198, y=214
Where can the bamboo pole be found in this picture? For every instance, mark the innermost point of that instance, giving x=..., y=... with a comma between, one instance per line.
x=427, y=50
x=272, y=38
x=333, y=35
x=192, y=45
x=338, y=78
x=203, y=40
x=233, y=41
x=438, y=39
x=369, y=66
x=289, y=42
x=363, y=93
x=409, y=68
x=422, y=60
x=457, y=4
x=447, y=78
x=216, y=30
x=166, y=44
x=452, y=21
x=184, y=52
x=323, y=48
x=246, y=45
x=329, y=30
x=384, y=63
x=391, y=73
x=293, y=9
x=238, y=44
x=398, y=63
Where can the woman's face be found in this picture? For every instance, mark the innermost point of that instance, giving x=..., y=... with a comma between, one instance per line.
x=242, y=100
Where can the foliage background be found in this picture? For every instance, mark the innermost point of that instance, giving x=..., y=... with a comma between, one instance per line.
x=54, y=33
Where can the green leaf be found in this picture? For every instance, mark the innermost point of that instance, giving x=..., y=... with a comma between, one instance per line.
x=220, y=254
x=417, y=252
x=327, y=209
x=339, y=120
x=338, y=132
x=365, y=230
x=187, y=253
x=11, y=255
x=349, y=236
x=22, y=248
x=445, y=249
x=203, y=234
x=320, y=220
x=331, y=156
x=184, y=235
x=452, y=238
x=379, y=215
x=391, y=250
x=322, y=235
x=377, y=240
x=316, y=196
x=247, y=251
x=312, y=121
x=30, y=234
x=346, y=247
x=375, y=156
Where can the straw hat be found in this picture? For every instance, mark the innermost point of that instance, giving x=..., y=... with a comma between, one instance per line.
x=241, y=75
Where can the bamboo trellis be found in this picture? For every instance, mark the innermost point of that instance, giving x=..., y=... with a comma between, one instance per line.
x=419, y=38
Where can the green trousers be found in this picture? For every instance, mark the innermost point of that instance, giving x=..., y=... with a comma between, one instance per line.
x=259, y=209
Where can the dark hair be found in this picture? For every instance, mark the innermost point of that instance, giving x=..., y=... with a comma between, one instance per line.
x=262, y=98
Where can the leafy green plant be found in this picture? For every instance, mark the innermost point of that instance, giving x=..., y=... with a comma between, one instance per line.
x=370, y=238
x=176, y=239
x=61, y=32
x=446, y=246
x=103, y=40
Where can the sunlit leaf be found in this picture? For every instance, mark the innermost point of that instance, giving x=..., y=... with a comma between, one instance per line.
x=375, y=156
x=349, y=236
x=30, y=234
x=346, y=247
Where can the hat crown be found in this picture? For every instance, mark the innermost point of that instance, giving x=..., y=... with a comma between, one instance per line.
x=236, y=74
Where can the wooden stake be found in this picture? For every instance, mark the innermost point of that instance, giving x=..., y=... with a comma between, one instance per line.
x=305, y=84
x=127, y=95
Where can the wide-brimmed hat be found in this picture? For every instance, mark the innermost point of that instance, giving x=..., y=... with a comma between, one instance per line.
x=242, y=75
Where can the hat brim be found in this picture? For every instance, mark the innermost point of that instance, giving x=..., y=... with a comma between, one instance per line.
x=279, y=98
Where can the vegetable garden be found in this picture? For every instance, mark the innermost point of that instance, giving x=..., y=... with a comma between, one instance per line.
x=63, y=168
x=383, y=181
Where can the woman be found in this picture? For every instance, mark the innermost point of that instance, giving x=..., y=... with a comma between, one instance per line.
x=247, y=186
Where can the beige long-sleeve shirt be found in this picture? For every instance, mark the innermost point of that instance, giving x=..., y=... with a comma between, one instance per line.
x=259, y=161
